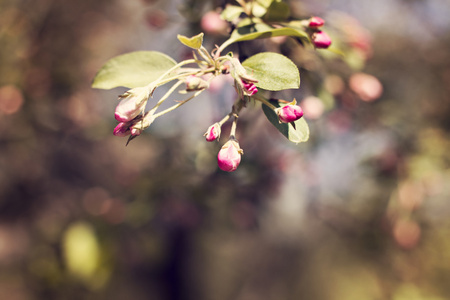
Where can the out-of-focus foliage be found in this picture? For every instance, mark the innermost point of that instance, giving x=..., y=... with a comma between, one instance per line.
x=359, y=212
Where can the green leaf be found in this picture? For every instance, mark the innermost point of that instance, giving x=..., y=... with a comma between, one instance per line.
x=132, y=70
x=265, y=3
x=231, y=12
x=273, y=71
x=257, y=10
x=296, y=135
x=194, y=42
x=277, y=11
x=262, y=31
x=245, y=22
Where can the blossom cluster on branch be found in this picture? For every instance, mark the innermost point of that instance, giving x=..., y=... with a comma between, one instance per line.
x=253, y=78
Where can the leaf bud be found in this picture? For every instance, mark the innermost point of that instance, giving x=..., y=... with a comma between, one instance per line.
x=194, y=83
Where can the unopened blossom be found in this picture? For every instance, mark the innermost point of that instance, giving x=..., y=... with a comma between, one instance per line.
x=126, y=128
x=316, y=22
x=244, y=83
x=289, y=113
x=122, y=129
x=249, y=88
x=321, y=39
x=213, y=132
x=132, y=104
x=133, y=127
x=194, y=83
x=229, y=156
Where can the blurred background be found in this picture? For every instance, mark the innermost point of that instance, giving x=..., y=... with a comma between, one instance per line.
x=360, y=211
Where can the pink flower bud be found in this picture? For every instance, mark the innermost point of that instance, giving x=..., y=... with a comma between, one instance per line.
x=132, y=104
x=316, y=22
x=249, y=88
x=194, y=83
x=289, y=113
x=321, y=40
x=229, y=156
x=122, y=129
x=244, y=83
x=133, y=127
x=213, y=132
x=126, y=128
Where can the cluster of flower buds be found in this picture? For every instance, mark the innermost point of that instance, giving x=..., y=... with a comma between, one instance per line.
x=129, y=112
x=126, y=128
x=133, y=119
x=132, y=104
x=319, y=38
x=229, y=155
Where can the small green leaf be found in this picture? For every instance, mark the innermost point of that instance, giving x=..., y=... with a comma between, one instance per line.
x=262, y=31
x=265, y=3
x=194, y=42
x=132, y=70
x=258, y=10
x=277, y=11
x=231, y=12
x=296, y=135
x=273, y=71
x=245, y=22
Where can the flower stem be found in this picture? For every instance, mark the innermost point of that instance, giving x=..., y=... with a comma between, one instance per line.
x=224, y=45
x=221, y=122
x=264, y=101
x=206, y=56
x=235, y=113
x=233, y=127
x=192, y=71
x=177, y=105
x=154, y=84
x=166, y=95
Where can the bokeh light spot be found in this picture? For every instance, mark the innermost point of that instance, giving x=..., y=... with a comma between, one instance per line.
x=11, y=99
